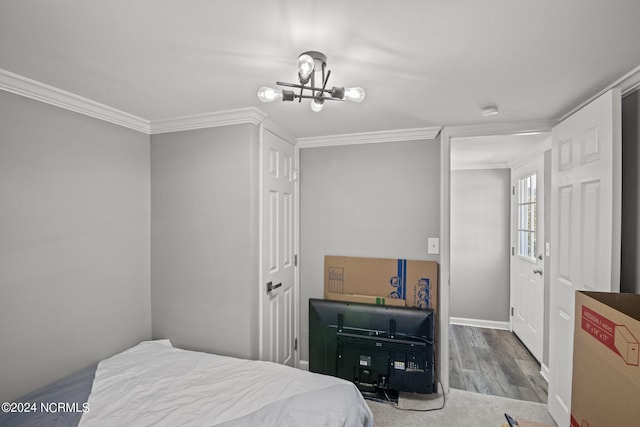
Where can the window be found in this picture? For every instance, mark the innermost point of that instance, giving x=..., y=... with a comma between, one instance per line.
x=527, y=217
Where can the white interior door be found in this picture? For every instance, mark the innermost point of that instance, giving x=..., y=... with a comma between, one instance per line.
x=527, y=260
x=585, y=228
x=277, y=250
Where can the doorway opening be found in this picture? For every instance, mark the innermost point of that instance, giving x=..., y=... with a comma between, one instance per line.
x=486, y=355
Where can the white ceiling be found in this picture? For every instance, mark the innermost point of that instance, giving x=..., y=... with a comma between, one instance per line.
x=423, y=63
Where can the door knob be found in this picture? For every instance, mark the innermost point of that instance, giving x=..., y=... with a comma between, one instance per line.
x=271, y=287
x=537, y=271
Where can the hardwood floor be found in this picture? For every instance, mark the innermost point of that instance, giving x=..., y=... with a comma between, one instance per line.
x=495, y=362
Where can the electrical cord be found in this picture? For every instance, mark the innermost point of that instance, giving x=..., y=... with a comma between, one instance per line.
x=423, y=339
x=444, y=401
x=395, y=405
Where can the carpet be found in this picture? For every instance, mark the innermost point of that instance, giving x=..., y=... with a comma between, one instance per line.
x=462, y=409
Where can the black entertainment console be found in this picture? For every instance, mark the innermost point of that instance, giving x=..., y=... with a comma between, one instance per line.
x=382, y=349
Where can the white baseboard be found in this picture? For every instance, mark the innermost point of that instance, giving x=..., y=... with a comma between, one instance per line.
x=304, y=365
x=478, y=323
x=544, y=371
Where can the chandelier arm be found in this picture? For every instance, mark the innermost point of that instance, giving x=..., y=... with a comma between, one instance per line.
x=313, y=97
x=304, y=87
x=326, y=80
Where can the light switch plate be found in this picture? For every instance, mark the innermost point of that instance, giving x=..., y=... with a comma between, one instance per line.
x=433, y=245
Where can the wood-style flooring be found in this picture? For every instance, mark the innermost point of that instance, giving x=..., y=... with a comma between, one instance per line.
x=495, y=362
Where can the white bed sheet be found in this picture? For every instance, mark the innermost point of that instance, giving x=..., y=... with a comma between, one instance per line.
x=156, y=384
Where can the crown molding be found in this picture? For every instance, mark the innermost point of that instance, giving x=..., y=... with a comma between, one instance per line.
x=250, y=115
x=23, y=86
x=370, y=137
x=627, y=84
x=508, y=128
x=479, y=166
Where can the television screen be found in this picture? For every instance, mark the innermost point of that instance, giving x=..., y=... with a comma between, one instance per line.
x=377, y=347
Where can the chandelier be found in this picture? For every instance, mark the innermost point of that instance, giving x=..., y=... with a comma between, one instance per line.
x=312, y=70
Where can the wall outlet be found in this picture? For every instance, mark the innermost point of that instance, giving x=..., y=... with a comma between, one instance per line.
x=433, y=245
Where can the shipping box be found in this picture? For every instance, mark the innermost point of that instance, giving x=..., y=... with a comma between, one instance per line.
x=409, y=283
x=366, y=299
x=606, y=375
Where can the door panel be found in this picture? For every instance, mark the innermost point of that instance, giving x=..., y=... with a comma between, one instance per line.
x=277, y=267
x=527, y=262
x=585, y=228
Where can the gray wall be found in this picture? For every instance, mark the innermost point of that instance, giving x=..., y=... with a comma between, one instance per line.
x=204, y=239
x=630, y=256
x=378, y=200
x=479, y=266
x=74, y=242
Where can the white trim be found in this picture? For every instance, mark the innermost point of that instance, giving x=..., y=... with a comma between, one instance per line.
x=523, y=158
x=627, y=84
x=476, y=166
x=479, y=323
x=208, y=120
x=445, y=254
x=296, y=244
x=511, y=128
x=304, y=365
x=544, y=371
x=370, y=137
x=23, y=86
x=259, y=288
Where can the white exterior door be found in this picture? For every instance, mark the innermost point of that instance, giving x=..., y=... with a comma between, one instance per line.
x=527, y=261
x=277, y=250
x=585, y=228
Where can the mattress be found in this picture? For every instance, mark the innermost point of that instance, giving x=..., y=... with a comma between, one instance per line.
x=73, y=390
x=156, y=384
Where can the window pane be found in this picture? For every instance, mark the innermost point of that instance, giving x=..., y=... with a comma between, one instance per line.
x=532, y=217
x=527, y=221
x=533, y=189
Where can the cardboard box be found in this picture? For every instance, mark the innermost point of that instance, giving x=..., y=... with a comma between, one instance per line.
x=606, y=375
x=367, y=299
x=414, y=282
x=523, y=423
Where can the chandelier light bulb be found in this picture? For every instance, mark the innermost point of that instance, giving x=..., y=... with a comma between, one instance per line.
x=305, y=67
x=317, y=105
x=355, y=94
x=267, y=94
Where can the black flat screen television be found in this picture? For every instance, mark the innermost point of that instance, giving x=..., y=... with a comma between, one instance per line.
x=382, y=349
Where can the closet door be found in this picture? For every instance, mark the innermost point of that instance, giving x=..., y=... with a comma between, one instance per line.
x=277, y=250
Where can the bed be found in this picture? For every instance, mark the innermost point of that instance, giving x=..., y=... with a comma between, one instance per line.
x=156, y=384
